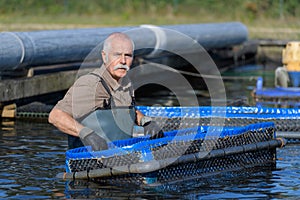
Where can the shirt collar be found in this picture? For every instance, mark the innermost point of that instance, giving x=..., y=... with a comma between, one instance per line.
x=110, y=81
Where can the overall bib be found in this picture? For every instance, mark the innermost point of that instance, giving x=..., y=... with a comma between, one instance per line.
x=111, y=122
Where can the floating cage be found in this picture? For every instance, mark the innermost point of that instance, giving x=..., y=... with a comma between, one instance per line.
x=278, y=97
x=286, y=120
x=182, y=154
x=34, y=110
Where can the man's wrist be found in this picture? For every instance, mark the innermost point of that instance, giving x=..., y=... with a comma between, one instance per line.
x=145, y=120
x=85, y=131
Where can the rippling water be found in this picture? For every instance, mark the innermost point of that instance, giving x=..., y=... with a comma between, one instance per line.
x=32, y=154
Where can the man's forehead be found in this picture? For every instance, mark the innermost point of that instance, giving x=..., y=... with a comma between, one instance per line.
x=121, y=47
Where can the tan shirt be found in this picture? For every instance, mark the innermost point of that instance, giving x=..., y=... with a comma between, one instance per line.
x=88, y=94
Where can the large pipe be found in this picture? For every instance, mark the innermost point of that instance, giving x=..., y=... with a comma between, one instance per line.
x=28, y=49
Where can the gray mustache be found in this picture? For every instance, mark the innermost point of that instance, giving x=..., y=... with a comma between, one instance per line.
x=120, y=66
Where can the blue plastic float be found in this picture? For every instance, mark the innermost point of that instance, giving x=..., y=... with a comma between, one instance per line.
x=277, y=96
x=286, y=120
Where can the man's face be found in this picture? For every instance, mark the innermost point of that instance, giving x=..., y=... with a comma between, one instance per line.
x=118, y=58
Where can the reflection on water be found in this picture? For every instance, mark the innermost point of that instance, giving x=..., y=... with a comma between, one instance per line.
x=240, y=185
x=32, y=154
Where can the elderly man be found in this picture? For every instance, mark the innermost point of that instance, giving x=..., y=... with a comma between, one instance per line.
x=99, y=107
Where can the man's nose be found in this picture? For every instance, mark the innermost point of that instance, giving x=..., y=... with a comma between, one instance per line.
x=123, y=59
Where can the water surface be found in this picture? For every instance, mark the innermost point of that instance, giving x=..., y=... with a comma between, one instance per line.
x=32, y=153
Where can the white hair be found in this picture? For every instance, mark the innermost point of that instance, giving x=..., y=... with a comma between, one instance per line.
x=109, y=39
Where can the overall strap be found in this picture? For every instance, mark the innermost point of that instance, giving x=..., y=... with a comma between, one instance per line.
x=109, y=103
x=132, y=96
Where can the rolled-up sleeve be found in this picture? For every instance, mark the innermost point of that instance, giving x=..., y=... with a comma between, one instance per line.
x=86, y=95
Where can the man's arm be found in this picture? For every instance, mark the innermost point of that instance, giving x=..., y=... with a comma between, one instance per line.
x=64, y=122
x=67, y=124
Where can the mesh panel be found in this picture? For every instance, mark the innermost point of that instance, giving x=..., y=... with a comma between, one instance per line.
x=208, y=167
x=77, y=165
x=179, y=148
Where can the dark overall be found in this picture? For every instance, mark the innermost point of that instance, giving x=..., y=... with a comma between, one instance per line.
x=111, y=122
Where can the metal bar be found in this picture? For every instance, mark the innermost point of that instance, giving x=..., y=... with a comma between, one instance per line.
x=288, y=134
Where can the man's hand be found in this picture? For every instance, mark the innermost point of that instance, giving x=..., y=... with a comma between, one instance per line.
x=90, y=138
x=151, y=128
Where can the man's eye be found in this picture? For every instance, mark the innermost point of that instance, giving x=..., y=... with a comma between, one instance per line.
x=118, y=55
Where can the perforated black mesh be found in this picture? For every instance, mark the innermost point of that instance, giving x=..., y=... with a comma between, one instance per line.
x=77, y=165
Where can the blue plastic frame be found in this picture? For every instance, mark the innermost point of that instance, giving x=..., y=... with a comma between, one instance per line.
x=232, y=112
x=144, y=144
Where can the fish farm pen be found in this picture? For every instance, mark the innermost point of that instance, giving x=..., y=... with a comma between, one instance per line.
x=286, y=120
x=199, y=142
x=187, y=151
x=276, y=96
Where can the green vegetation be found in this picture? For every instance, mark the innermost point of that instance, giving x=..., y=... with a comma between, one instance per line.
x=264, y=18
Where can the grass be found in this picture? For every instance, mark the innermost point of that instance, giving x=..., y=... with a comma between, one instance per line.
x=259, y=26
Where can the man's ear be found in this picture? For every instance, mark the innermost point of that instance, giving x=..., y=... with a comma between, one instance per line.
x=103, y=54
